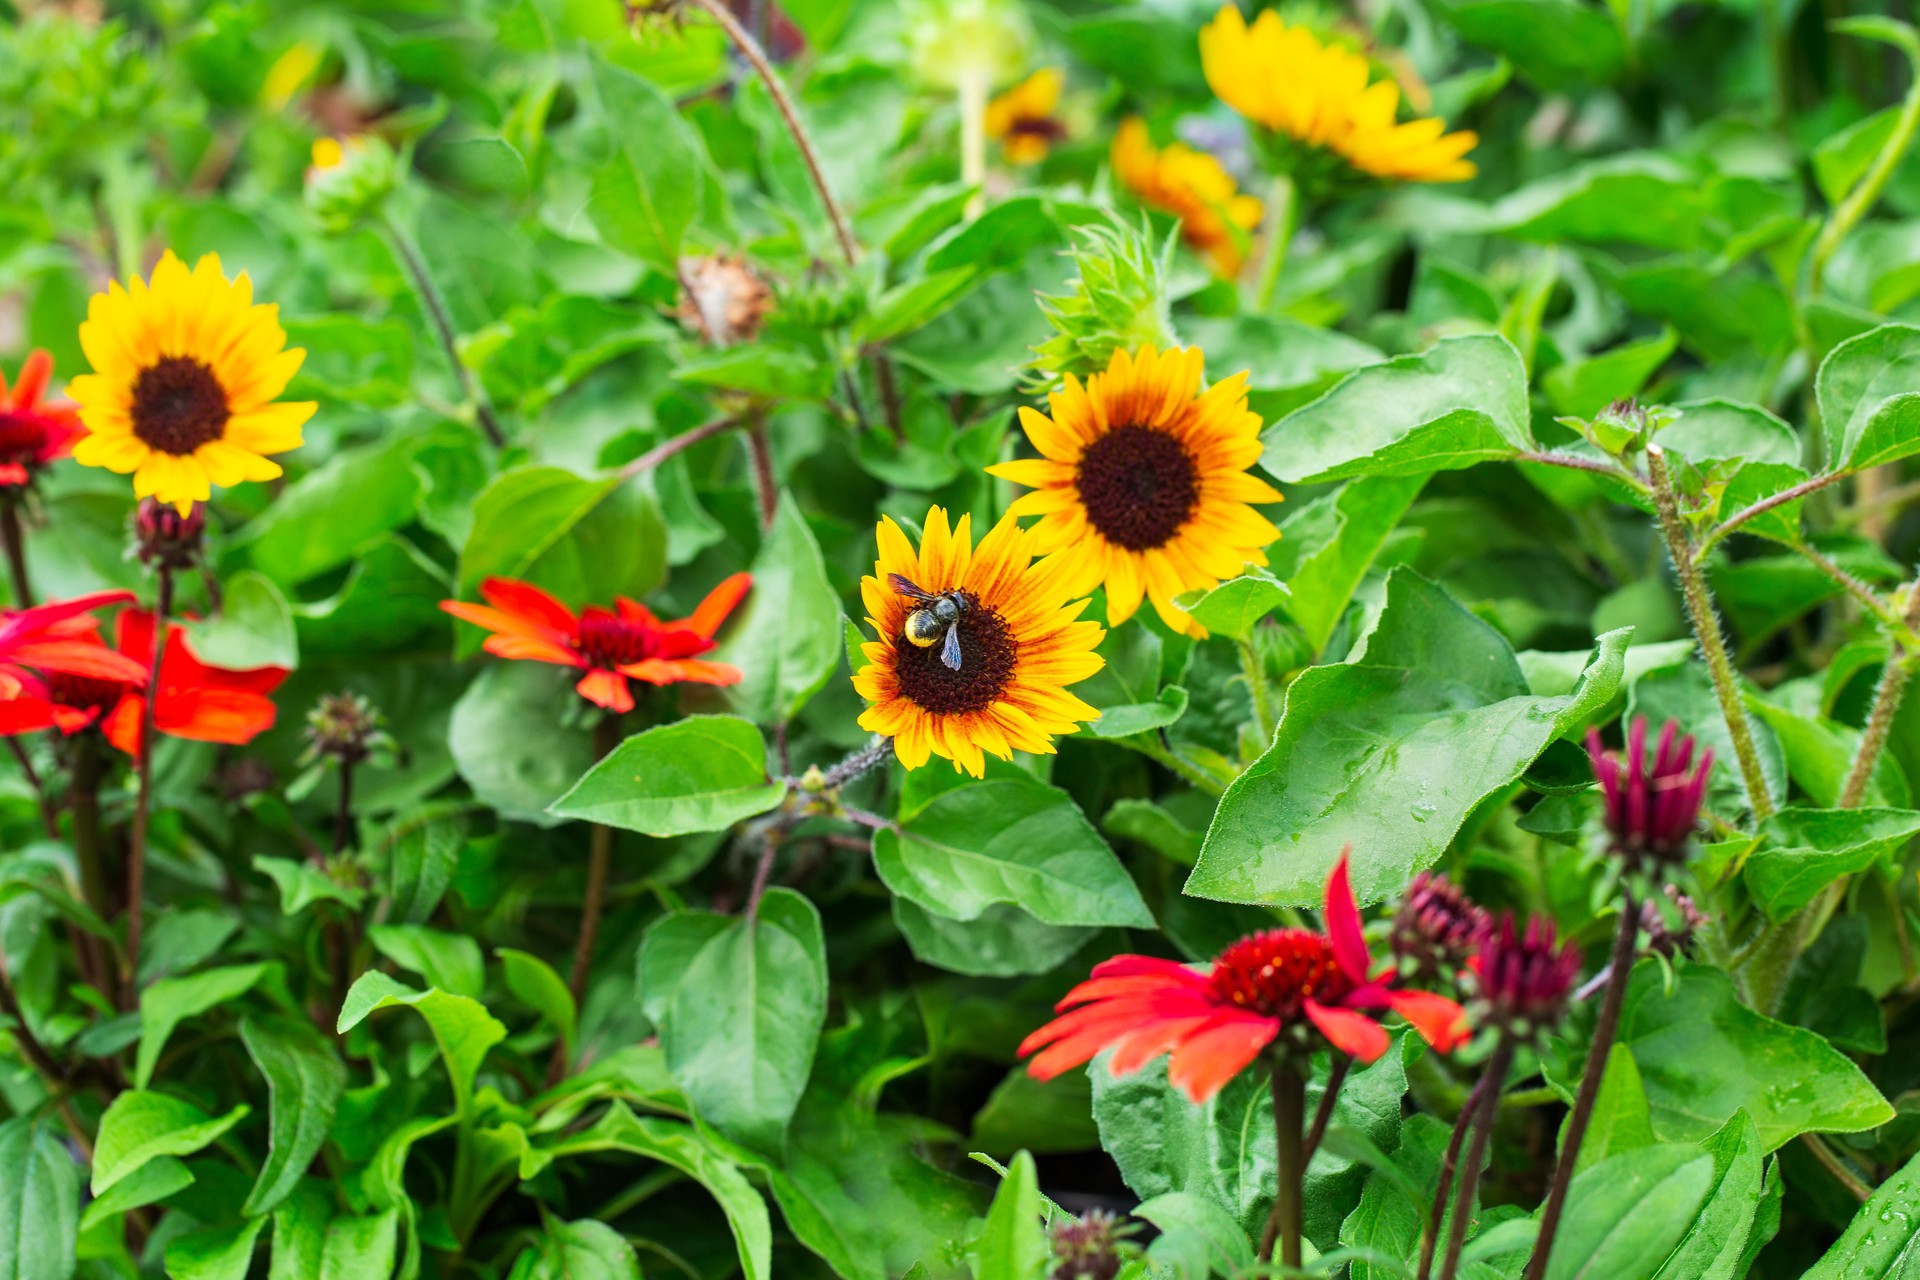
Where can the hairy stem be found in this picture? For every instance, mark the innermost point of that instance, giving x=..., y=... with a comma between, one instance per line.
x=757, y=58
x=1760, y=508
x=435, y=305
x=1866, y=192
x=1323, y=1114
x=1706, y=630
x=1284, y=1224
x=143, y=797
x=1604, y=1026
x=1487, y=1106
x=1259, y=691
x=678, y=444
x=1873, y=739
x=860, y=762
x=764, y=484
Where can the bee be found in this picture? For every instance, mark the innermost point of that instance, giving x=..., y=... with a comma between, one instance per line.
x=924, y=624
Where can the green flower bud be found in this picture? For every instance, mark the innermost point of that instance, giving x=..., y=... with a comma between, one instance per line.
x=951, y=41
x=349, y=179
x=1117, y=299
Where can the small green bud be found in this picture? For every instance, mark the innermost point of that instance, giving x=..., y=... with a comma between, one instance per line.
x=349, y=179
x=1117, y=299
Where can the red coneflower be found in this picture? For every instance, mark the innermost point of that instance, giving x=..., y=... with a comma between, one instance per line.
x=1293, y=986
x=609, y=645
x=32, y=431
x=1435, y=929
x=1651, y=805
x=1523, y=980
x=196, y=701
x=60, y=638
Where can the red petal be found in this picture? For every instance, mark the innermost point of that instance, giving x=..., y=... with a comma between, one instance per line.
x=34, y=375
x=79, y=658
x=606, y=689
x=1352, y=1033
x=1127, y=965
x=720, y=602
x=1343, y=924
x=12, y=473
x=24, y=713
x=1134, y=1049
x=230, y=716
x=529, y=603
x=122, y=725
x=1216, y=1054
x=1441, y=1022
x=683, y=671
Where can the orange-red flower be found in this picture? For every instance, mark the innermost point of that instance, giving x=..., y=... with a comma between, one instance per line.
x=1293, y=986
x=609, y=645
x=32, y=431
x=60, y=638
x=196, y=701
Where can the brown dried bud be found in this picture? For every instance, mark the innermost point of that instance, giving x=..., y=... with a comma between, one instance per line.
x=166, y=539
x=722, y=299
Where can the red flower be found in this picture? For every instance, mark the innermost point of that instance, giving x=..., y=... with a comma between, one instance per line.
x=32, y=433
x=609, y=646
x=60, y=638
x=1653, y=804
x=1281, y=982
x=197, y=701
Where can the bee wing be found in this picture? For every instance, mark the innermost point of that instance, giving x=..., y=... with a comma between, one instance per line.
x=950, y=651
x=908, y=588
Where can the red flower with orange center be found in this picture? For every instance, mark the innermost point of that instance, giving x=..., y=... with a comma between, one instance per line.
x=199, y=702
x=609, y=645
x=59, y=638
x=1291, y=986
x=33, y=432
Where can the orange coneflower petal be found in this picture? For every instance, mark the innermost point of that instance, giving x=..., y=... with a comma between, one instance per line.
x=1215, y=1054
x=528, y=602
x=1354, y=1034
x=228, y=716
x=706, y=619
x=1441, y=1022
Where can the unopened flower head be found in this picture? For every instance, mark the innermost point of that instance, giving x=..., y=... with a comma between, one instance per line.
x=1666, y=937
x=1089, y=1247
x=1652, y=800
x=1522, y=979
x=1435, y=929
x=344, y=727
x=349, y=178
x=167, y=538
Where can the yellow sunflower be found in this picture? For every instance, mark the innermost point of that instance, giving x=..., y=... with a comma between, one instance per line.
x=1286, y=80
x=1193, y=186
x=1142, y=482
x=1023, y=117
x=185, y=371
x=1017, y=646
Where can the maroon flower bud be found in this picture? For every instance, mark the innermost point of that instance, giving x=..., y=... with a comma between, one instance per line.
x=1435, y=929
x=1651, y=805
x=344, y=726
x=1523, y=981
x=165, y=538
x=1670, y=939
x=1088, y=1247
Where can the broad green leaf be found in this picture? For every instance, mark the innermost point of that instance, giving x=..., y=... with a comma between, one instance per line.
x=1869, y=404
x=153, y=1181
x=1045, y=1119
x=171, y=1001
x=1620, y=1120
x=39, y=1201
x=1013, y=1246
x=1721, y=428
x=141, y=1125
x=1584, y=388
x=1715, y=1245
x=1235, y=606
x=786, y=639
x=301, y=884
x=1684, y=692
x=1802, y=851
x=358, y=1247
x=1555, y=44
x=681, y=1147
x=1327, y=549
x=1013, y=843
x=1642, y=198
x=1843, y=158
x=906, y=307
x=1464, y=401
x=1196, y=1236
x=254, y=627
x=334, y=512
x=1389, y=753
x=222, y=1253
x=649, y=192
x=743, y=1021
x=510, y=744
x=1884, y=1237
x=449, y=961
x=584, y=1250
x=1627, y=1213
x=1824, y=991
x=703, y=773
x=1001, y=942
x=462, y=1027
x=421, y=863
x=537, y=985
x=1125, y=719
x=1704, y=1056
x=305, y=1080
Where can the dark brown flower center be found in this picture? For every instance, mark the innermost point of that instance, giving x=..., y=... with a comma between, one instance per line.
x=178, y=405
x=22, y=436
x=987, y=653
x=84, y=693
x=1278, y=971
x=1138, y=486
x=1037, y=127
x=608, y=641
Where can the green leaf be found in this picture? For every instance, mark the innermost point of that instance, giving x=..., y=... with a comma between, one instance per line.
x=906, y=307
x=1389, y=753
x=1805, y=850
x=1197, y=1237
x=334, y=512
x=357, y=1247
x=1462, y=402
x=1721, y=428
x=421, y=864
x=585, y=1250
x=680, y=1147
x=254, y=627
x=540, y=988
x=703, y=773
x=171, y=1001
x=1582, y=389
x=1013, y=1246
x=743, y=1021
x=644, y=200
x=152, y=1182
x=1327, y=548
x=1046, y=1119
x=1884, y=1237
x=1624, y=1215
x=140, y=1126
x=302, y=884
x=1555, y=44
x=1716, y=1244
x=1008, y=842
x=222, y=1253
x=1235, y=606
x=305, y=1080
x=39, y=1201
x=1684, y=692
x=1620, y=1120
x=1704, y=1056
x=1868, y=406
x=787, y=638
x=509, y=744
x=462, y=1027
x=1643, y=198
x=1129, y=718
x=449, y=961
x=1001, y=942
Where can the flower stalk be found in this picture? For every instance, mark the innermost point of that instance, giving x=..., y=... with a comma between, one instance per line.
x=1443, y=1186
x=16, y=548
x=1483, y=1106
x=606, y=736
x=1285, y=1223
x=1283, y=219
x=434, y=303
x=143, y=797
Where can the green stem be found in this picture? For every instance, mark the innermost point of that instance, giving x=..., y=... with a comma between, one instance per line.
x=1706, y=630
x=1866, y=192
x=1860, y=591
x=1766, y=504
x=1873, y=739
x=434, y=303
x=974, y=92
x=1283, y=218
x=143, y=798
x=1469, y=1175
x=1258, y=690
x=1146, y=745
x=1284, y=1223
